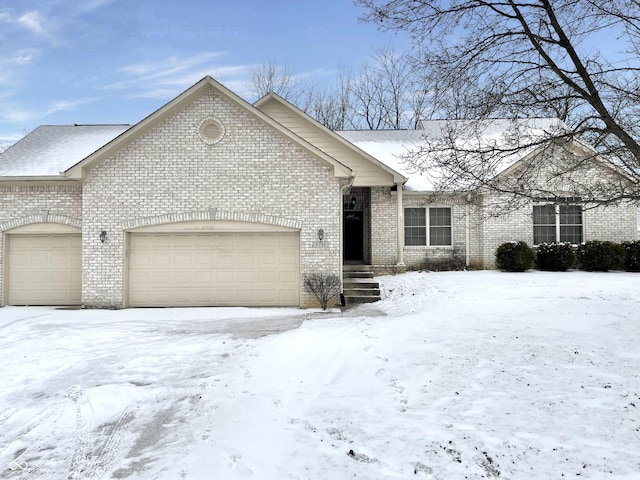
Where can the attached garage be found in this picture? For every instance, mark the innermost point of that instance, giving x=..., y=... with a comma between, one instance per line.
x=43, y=269
x=213, y=269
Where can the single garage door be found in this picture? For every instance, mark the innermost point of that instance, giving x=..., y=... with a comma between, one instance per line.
x=214, y=269
x=44, y=269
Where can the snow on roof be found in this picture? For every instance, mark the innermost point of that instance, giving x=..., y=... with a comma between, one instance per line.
x=392, y=146
x=51, y=149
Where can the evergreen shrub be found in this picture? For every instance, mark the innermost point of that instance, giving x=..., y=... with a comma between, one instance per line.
x=514, y=257
x=632, y=256
x=555, y=257
x=600, y=256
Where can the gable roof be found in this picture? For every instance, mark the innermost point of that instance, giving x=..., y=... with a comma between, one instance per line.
x=51, y=149
x=393, y=146
x=78, y=170
x=366, y=167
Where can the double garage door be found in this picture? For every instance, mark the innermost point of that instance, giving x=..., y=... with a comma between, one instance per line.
x=44, y=269
x=221, y=269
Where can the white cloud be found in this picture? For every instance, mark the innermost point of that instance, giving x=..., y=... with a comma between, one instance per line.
x=164, y=70
x=20, y=57
x=164, y=78
x=16, y=114
x=89, y=6
x=33, y=21
x=67, y=105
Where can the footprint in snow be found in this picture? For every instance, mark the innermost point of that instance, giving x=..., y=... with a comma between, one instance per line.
x=307, y=426
x=361, y=457
x=421, y=468
x=334, y=433
x=239, y=466
x=395, y=386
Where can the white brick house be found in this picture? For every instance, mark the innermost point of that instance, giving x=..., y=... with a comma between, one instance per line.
x=213, y=201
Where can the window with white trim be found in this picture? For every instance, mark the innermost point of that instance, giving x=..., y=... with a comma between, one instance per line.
x=557, y=223
x=427, y=226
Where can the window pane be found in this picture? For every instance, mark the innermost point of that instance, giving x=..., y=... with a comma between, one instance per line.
x=571, y=234
x=440, y=236
x=571, y=224
x=440, y=226
x=544, y=224
x=415, y=227
x=544, y=215
x=415, y=236
x=439, y=217
x=570, y=215
x=414, y=217
x=544, y=234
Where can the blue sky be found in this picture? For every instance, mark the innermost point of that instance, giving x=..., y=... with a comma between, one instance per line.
x=116, y=61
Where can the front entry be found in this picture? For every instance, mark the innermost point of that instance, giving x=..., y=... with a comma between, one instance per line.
x=356, y=225
x=353, y=236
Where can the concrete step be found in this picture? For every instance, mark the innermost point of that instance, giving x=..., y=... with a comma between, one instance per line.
x=366, y=292
x=358, y=285
x=358, y=300
x=347, y=275
x=357, y=267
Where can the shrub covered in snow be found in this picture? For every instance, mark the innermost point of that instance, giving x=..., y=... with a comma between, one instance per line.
x=325, y=287
x=555, y=257
x=514, y=257
x=632, y=256
x=601, y=256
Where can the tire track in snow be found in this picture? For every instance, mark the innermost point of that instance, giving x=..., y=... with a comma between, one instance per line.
x=56, y=408
x=105, y=454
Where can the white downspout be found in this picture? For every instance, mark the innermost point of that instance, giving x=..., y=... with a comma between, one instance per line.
x=400, y=227
x=467, y=232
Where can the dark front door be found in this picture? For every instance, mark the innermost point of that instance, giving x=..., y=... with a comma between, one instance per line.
x=353, y=236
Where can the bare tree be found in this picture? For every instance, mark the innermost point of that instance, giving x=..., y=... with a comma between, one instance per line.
x=573, y=59
x=273, y=78
x=389, y=93
x=331, y=106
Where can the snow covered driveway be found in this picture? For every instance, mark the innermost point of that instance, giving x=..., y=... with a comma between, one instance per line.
x=468, y=375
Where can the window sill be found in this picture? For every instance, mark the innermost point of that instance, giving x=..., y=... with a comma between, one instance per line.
x=428, y=247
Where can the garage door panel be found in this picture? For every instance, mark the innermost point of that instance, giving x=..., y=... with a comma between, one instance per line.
x=60, y=258
x=44, y=269
x=287, y=259
x=287, y=278
x=203, y=258
x=204, y=277
x=214, y=269
x=267, y=277
x=160, y=258
x=183, y=259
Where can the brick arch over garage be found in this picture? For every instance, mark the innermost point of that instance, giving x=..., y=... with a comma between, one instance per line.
x=212, y=214
x=44, y=217
x=42, y=260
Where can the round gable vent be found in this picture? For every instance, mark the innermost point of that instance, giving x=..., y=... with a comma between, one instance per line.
x=211, y=131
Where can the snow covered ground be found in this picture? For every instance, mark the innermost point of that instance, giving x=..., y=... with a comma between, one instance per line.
x=452, y=375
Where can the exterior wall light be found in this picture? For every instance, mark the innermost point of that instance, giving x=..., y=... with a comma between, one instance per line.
x=103, y=236
x=320, y=234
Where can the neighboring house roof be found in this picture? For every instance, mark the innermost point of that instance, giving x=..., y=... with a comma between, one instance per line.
x=392, y=146
x=51, y=149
